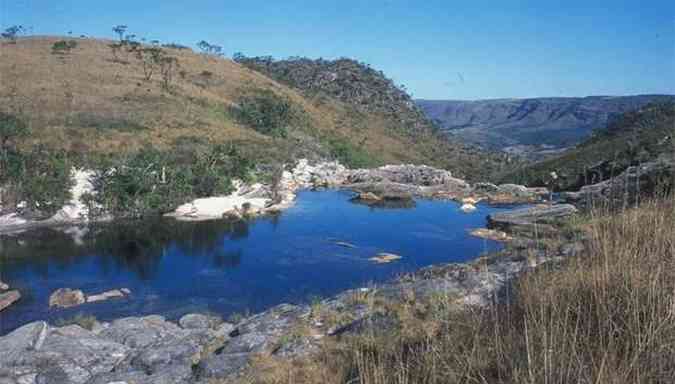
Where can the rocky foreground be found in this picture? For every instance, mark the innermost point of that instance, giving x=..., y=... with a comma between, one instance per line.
x=202, y=348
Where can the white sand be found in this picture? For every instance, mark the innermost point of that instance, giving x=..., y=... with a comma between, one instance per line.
x=75, y=209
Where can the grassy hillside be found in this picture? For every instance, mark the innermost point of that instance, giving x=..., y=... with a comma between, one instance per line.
x=635, y=137
x=89, y=99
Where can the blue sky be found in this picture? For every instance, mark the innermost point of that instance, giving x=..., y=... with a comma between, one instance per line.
x=437, y=49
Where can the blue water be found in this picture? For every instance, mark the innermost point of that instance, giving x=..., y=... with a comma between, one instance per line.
x=174, y=268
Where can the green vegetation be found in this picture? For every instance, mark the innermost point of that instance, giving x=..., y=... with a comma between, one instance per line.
x=38, y=176
x=11, y=129
x=267, y=112
x=603, y=316
x=154, y=182
x=351, y=155
x=634, y=138
x=63, y=47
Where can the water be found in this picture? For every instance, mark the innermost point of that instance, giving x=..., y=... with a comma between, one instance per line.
x=174, y=268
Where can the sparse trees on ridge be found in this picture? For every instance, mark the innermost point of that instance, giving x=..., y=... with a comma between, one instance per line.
x=12, y=33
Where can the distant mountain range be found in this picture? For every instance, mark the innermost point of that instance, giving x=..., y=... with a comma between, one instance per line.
x=531, y=125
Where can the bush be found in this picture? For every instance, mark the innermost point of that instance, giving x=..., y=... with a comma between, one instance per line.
x=154, y=182
x=39, y=177
x=350, y=154
x=267, y=113
x=63, y=47
x=11, y=127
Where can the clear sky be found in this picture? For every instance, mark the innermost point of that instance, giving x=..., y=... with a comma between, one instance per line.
x=438, y=49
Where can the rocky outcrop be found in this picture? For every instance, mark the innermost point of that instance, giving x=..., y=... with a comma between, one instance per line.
x=541, y=214
x=112, y=294
x=8, y=298
x=3, y=286
x=626, y=188
x=66, y=298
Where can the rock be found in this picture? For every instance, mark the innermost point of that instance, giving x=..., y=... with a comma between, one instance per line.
x=199, y=321
x=470, y=200
x=491, y=234
x=115, y=293
x=526, y=216
x=344, y=244
x=37, y=353
x=8, y=298
x=467, y=208
x=140, y=332
x=420, y=175
x=222, y=366
x=384, y=258
x=485, y=187
x=3, y=286
x=66, y=297
x=368, y=196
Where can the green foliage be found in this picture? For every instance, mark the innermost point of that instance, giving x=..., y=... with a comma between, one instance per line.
x=267, y=113
x=39, y=177
x=351, y=155
x=155, y=182
x=11, y=127
x=63, y=47
x=12, y=33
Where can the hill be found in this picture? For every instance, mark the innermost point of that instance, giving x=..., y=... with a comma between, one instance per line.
x=636, y=137
x=190, y=123
x=94, y=99
x=543, y=125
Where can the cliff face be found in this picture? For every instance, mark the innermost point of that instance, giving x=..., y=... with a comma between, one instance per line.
x=530, y=124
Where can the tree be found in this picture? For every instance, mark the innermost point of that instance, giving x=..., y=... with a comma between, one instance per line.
x=167, y=67
x=120, y=30
x=12, y=33
x=11, y=127
x=210, y=49
x=63, y=47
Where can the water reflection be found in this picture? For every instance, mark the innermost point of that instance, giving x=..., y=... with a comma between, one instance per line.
x=175, y=267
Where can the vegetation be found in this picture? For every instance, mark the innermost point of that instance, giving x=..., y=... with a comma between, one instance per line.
x=12, y=33
x=38, y=177
x=633, y=138
x=154, y=182
x=63, y=47
x=603, y=316
x=267, y=112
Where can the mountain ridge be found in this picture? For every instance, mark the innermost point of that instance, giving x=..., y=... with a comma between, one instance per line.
x=530, y=124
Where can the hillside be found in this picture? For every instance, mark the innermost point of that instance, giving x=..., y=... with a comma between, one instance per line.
x=636, y=137
x=92, y=99
x=528, y=126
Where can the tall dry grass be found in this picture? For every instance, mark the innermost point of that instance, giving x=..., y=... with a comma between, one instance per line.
x=606, y=315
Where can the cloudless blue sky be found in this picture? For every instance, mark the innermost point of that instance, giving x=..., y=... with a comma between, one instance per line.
x=439, y=49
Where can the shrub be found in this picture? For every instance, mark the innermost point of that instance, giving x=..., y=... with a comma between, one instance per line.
x=39, y=177
x=267, y=113
x=62, y=47
x=154, y=182
x=350, y=155
x=11, y=128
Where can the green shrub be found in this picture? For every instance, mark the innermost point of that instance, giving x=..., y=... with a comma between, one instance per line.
x=39, y=177
x=267, y=113
x=63, y=47
x=11, y=127
x=350, y=155
x=155, y=182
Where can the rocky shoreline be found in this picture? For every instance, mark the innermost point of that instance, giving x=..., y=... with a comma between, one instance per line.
x=202, y=348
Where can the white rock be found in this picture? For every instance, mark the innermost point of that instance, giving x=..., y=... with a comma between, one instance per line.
x=468, y=208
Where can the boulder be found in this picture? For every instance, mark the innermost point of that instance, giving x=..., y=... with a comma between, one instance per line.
x=66, y=297
x=532, y=215
x=420, y=175
x=37, y=353
x=115, y=293
x=8, y=298
x=467, y=208
x=3, y=286
x=199, y=321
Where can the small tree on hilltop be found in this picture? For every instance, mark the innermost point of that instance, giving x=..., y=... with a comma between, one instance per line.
x=120, y=30
x=12, y=33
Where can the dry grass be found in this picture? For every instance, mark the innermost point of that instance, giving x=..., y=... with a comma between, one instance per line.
x=55, y=92
x=604, y=316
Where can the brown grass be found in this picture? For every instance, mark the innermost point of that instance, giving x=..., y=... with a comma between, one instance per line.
x=54, y=91
x=604, y=316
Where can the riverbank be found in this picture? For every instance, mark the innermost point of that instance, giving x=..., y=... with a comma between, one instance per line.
x=201, y=348
x=384, y=184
